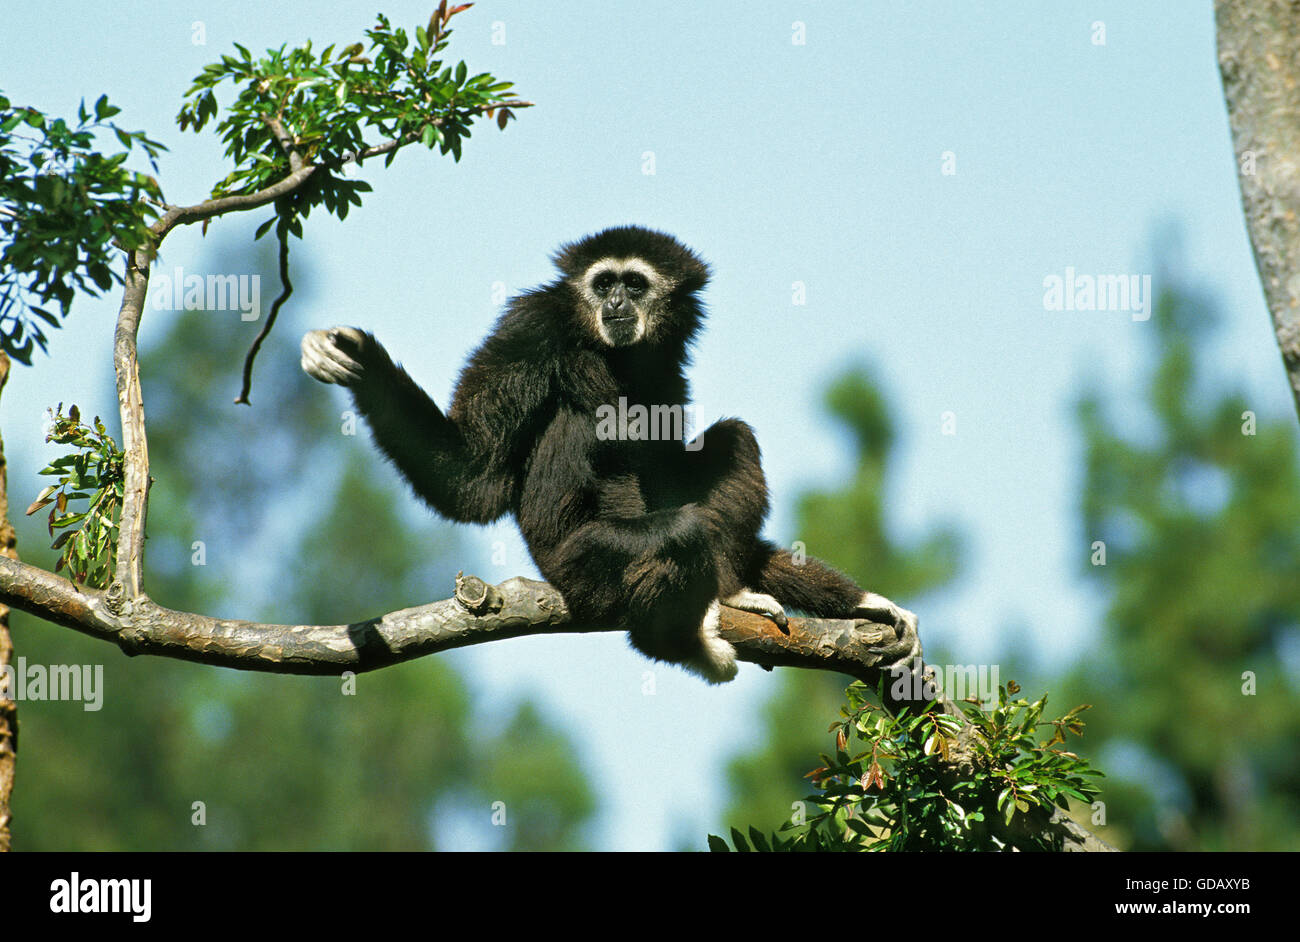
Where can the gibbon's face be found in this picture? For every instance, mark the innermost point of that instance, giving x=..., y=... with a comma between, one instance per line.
x=623, y=299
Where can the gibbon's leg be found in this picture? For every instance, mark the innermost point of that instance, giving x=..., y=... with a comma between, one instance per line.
x=722, y=474
x=816, y=588
x=426, y=446
x=724, y=465
x=653, y=575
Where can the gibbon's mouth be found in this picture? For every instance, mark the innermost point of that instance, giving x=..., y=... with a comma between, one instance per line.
x=618, y=318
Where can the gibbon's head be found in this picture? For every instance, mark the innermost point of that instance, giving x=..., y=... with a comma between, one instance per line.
x=632, y=284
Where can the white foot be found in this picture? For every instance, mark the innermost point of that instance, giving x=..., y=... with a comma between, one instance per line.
x=757, y=602
x=881, y=610
x=716, y=662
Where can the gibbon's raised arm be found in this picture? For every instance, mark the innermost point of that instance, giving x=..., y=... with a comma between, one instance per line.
x=451, y=463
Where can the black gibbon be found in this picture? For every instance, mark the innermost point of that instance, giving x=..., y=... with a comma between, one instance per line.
x=646, y=533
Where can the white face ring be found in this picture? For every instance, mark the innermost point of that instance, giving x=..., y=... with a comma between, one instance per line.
x=658, y=287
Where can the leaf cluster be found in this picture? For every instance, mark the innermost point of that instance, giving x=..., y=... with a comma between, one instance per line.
x=65, y=211
x=890, y=785
x=95, y=472
x=296, y=104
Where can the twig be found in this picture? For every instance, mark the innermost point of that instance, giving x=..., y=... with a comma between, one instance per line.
x=286, y=290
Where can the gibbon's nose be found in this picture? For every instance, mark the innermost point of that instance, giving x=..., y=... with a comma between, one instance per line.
x=614, y=303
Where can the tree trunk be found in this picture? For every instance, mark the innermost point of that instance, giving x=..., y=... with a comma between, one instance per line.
x=1259, y=59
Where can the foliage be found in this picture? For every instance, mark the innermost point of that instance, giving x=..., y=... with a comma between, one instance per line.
x=95, y=473
x=898, y=792
x=324, y=103
x=65, y=209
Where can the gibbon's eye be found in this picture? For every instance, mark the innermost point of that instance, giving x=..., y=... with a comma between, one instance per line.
x=636, y=282
x=603, y=282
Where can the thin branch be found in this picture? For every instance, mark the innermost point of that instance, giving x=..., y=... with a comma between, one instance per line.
x=219, y=206
x=285, y=140
x=187, y=215
x=286, y=289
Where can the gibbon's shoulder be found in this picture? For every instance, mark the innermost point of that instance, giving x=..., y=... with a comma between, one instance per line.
x=537, y=326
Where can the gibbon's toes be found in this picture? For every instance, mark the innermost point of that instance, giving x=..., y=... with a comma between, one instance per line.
x=759, y=603
x=877, y=608
x=323, y=356
x=906, y=647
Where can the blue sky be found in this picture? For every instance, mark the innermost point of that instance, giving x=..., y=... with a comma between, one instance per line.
x=780, y=162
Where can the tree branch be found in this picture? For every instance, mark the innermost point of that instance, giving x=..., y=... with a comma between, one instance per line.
x=1259, y=59
x=219, y=206
x=478, y=613
x=128, y=576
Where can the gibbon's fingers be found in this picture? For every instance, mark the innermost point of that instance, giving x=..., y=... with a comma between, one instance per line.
x=325, y=360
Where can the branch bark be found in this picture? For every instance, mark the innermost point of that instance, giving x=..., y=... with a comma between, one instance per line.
x=1259, y=60
x=478, y=613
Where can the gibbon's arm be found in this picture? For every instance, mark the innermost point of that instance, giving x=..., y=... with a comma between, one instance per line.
x=461, y=475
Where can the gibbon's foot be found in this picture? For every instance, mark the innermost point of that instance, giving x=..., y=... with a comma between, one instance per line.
x=716, y=661
x=330, y=355
x=760, y=604
x=907, y=643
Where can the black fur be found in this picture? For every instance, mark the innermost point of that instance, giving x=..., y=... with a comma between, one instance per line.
x=639, y=535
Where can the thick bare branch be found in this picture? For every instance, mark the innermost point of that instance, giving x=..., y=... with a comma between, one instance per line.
x=478, y=613
x=1259, y=59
